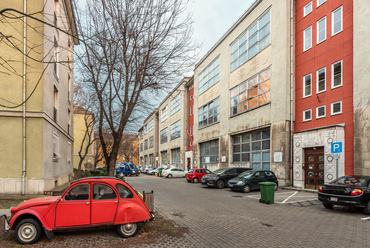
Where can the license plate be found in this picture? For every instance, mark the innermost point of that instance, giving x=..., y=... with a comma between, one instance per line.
x=230, y=186
x=334, y=198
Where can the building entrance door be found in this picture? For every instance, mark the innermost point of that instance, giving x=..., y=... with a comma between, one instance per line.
x=188, y=164
x=314, y=167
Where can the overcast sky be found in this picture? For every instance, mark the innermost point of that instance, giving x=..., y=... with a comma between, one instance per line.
x=213, y=18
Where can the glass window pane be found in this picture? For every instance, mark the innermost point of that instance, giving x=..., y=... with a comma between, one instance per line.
x=245, y=157
x=252, y=103
x=266, y=134
x=256, y=157
x=246, y=137
x=236, y=157
x=265, y=144
x=265, y=166
x=256, y=166
x=266, y=156
x=264, y=98
x=256, y=135
x=256, y=146
x=236, y=148
x=246, y=147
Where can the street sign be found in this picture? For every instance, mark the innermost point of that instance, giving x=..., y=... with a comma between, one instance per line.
x=336, y=147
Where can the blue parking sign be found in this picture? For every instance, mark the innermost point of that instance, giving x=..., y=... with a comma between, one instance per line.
x=336, y=147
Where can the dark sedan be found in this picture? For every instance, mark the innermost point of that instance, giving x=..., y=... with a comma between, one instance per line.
x=250, y=180
x=347, y=191
x=221, y=177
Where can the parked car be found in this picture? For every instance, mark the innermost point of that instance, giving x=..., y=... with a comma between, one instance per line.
x=100, y=167
x=128, y=169
x=195, y=175
x=146, y=170
x=221, y=177
x=174, y=172
x=249, y=180
x=87, y=202
x=347, y=191
x=151, y=171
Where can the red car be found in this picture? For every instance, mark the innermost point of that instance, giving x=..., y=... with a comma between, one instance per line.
x=195, y=175
x=88, y=202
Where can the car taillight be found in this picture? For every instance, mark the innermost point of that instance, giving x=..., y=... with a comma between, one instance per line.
x=320, y=189
x=356, y=192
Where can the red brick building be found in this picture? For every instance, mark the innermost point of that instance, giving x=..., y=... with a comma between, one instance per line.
x=323, y=91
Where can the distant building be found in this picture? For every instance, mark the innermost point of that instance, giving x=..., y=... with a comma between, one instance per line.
x=128, y=151
x=36, y=138
x=83, y=130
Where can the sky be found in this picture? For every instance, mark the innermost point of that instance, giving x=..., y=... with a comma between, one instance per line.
x=213, y=18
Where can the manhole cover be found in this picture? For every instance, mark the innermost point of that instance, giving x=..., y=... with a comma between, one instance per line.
x=237, y=196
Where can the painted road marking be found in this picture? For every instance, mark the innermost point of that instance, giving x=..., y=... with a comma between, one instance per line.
x=289, y=197
x=286, y=197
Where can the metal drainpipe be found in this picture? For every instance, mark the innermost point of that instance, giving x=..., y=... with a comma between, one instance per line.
x=291, y=84
x=24, y=97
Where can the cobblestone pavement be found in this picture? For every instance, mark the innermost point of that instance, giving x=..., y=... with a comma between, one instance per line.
x=222, y=218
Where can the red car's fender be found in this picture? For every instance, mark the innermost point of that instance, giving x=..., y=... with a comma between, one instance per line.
x=131, y=212
x=29, y=211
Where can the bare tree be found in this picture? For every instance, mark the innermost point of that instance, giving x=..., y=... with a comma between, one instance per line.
x=131, y=50
x=127, y=147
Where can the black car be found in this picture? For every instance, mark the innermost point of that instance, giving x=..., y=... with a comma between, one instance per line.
x=347, y=191
x=249, y=180
x=221, y=177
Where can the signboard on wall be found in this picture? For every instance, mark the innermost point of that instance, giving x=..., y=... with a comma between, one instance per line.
x=278, y=157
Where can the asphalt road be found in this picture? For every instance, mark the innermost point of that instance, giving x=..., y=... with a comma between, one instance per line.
x=223, y=218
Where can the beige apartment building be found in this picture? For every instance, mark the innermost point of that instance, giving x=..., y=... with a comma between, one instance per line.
x=163, y=139
x=36, y=138
x=242, y=90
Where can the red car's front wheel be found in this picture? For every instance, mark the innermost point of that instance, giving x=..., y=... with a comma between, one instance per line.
x=128, y=230
x=28, y=231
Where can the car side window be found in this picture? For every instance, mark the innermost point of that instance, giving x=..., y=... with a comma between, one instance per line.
x=124, y=192
x=208, y=171
x=240, y=170
x=103, y=192
x=231, y=172
x=78, y=193
x=269, y=173
x=259, y=174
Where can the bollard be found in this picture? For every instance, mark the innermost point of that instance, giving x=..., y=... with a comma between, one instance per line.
x=149, y=199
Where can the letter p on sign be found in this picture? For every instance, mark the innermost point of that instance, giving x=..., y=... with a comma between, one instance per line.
x=336, y=147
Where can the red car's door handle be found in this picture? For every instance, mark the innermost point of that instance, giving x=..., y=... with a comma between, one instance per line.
x=87, y=203
x=115, y=201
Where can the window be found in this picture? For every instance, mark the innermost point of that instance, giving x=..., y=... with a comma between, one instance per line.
x=78, y=193
x=69, y=152
x=69, y=88
x=307, y=85
x=191, y=143
x=151, y=159
x=209, y=113
x=252, y=147
x=124, y=192
x=209, y=76
x=336, y=108
x=175, y=130
x=191, y=97
x=191, y=131
x=307, y=115
x=251, y=42
x=164, y=158
x=176, y=157
x=191, y=110
x=336, y=72
x=146, y=144
x=55, y=104
x=176, y=104
x=164, y=135
x=307, y=38
x=337, y=21
x=319, y=2
x=56, y=154
x=164, y=114
x=321, y=30
x=251, y=93
x=151, y=141
x=141, y=147
x=103, y=192
x=320, y=112
x=209, y=153
x=307, y=9
x=321, y=80
x=151, y=125
x=146, y=129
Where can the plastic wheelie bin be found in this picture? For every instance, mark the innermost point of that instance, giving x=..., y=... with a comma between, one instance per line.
x=267, y=192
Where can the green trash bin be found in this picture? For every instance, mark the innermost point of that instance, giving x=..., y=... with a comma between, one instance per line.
x=160, y=173
x=267, y=192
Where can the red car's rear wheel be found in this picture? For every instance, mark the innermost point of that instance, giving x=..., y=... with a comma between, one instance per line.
x=128, y=230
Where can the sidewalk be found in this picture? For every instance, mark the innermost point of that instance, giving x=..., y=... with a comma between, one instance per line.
x=5, y=211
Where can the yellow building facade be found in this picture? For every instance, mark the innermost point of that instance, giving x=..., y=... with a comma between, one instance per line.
x=36, y=85
x=83, y=132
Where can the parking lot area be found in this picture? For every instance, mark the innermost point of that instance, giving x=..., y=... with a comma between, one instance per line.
x=224, y=218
